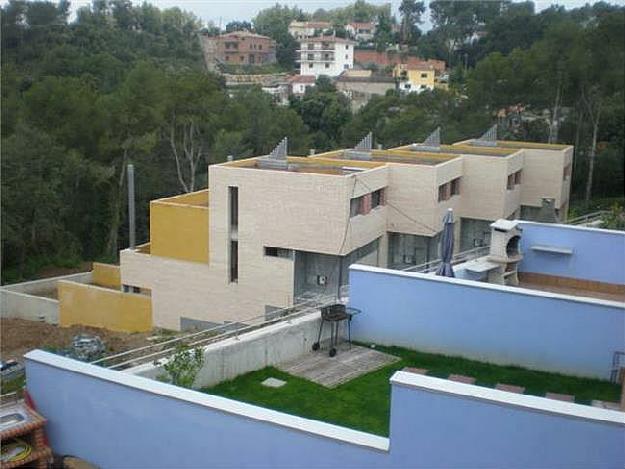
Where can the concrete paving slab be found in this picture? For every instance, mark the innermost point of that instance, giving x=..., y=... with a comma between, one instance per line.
x=273, y=383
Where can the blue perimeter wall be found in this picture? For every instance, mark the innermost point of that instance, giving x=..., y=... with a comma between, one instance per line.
x=598, y=255
x=491, y=323
x=116, y=420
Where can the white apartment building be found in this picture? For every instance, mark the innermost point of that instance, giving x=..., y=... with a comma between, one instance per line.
x=325, y=55
x=275, y=229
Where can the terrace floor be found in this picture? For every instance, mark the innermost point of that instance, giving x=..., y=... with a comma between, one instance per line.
x=349, y=363
x=570, y=290
x=363, y=403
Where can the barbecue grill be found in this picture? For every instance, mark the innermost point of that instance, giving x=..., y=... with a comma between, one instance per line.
x=335, y=314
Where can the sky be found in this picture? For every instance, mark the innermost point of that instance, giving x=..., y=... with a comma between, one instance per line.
x=224, y=11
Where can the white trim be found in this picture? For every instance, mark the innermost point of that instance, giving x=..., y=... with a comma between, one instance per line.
x=488, y=286
x=573, y=227
x=218, y=403
x=495, y=396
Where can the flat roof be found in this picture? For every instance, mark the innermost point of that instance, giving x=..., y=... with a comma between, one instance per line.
x=302, y=164
x=195, y=199
x=462, y=148
x=393, y=156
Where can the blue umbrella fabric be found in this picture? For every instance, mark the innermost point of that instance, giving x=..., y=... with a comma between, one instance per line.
x=447, y=246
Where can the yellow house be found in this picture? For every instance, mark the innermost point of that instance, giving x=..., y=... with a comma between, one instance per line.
x=414, y=80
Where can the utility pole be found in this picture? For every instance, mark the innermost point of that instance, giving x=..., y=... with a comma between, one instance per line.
x=131, y=206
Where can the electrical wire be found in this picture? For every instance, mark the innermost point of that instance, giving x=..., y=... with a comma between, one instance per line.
x=417, y=222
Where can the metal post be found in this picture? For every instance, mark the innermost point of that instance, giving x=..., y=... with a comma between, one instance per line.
x=131, y=206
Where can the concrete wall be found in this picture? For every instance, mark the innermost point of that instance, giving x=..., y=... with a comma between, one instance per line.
x=90, y=305
x=483, y=190
x=491, y=323
x=543, y=175
x=35, y=300
x=251, y=351
x=91, y=410
x=598, y=255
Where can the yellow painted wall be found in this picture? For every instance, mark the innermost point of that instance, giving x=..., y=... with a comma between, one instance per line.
x=90, y=305
x=416, y=77
x=106, y=275
x=179, y=231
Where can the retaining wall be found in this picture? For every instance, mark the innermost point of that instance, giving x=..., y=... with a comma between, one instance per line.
x=250, y=351
x=35, y=300
x=90, y=305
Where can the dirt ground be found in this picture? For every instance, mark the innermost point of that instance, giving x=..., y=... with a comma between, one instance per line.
x=18, y=336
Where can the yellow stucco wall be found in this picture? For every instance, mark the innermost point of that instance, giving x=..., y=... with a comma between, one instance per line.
x=178, y=230
x=106, y=275
x=90, y=305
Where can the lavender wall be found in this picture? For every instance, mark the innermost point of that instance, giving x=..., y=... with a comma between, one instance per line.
x=598, y=255
x=486, y=322
x=117, y=420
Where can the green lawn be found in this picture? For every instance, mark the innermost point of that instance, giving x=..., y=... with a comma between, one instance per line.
x=364, y=402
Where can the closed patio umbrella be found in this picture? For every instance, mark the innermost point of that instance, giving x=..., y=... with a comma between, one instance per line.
x=447, y=246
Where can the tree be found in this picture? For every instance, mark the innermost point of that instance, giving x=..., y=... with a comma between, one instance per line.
x=238, y=26
x=383, y=32
x=274, y=22
x=411, y=12
x=183, y=366
x=195, y=103
x=458, y=21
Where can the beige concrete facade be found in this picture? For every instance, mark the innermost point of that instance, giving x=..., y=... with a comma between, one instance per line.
x=311, y=210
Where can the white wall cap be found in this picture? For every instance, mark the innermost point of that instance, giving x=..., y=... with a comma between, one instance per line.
x=497, y=397
x=217, y=403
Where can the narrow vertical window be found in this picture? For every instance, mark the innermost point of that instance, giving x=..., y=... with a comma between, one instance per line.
x=233, y=202
x=234, y=261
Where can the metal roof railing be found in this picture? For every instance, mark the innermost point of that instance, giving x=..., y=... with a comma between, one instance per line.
x=588, y=218
x=458, y=258
x=154, y=352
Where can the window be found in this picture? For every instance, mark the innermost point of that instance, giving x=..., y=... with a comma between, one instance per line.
x=354, y=207
x=327, y=65
x=326, y=56
x=345, y=66
x=242, y=58
x=510, y=183
x=455, y=187
x=346, y=46
x=311, y=46
x=424, y=75
x=517, y=178
x=311, y=56
x=567, y=172
x=377, y=198
x=234, y=261
x=260, y=47
x=271, y=251
x=444, y=192
x=310, y=65
x=407, y=86
x=346, y=56
x=233, y=202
